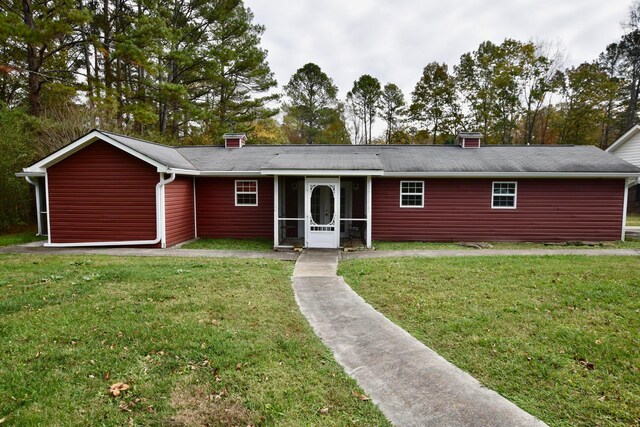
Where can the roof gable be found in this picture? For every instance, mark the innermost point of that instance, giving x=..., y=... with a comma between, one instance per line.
x=160, y=156
x=628, y=135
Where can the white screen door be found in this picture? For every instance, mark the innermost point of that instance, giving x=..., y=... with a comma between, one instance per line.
x=322, y=208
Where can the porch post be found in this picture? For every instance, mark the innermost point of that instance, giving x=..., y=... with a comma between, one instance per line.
x=276, y=223
x=368, y=239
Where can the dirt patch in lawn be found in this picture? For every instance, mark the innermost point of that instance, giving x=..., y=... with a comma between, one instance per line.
x=199, y=406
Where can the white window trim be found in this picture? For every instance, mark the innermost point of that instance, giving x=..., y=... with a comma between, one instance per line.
x=236, y=192
x=412, y=194
x=515, y=194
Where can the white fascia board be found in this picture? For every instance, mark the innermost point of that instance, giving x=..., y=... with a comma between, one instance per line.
x=229, y=173
x=83, y=142
x=511, y=174
x=624, y=138
x=321, y=172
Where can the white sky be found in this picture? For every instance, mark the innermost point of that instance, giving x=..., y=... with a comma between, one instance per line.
x=394, y=39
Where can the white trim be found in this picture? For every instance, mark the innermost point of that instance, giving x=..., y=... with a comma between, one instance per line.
x=214, y=173
x=38, y=207
x=427, y=174
x=336, y=207
x=235, y=194
x=276, y=221
x=627, y=184
x=163, y=237
x=624, y=138
x=368, y=197
x=195, y=211
x=46, y=190
x=160, y=222
x=515, y=194
x=83, y=142
x=421, y=205
x=320, y=172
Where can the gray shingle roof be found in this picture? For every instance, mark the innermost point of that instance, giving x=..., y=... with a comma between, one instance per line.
x=163, y=154
x=388, y=158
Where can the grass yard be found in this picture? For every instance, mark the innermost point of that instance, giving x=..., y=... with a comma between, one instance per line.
x=633, y=219
x=630, y=243
x=19, y=238
x=232, y=244
x=559, y=335
x=198, y=342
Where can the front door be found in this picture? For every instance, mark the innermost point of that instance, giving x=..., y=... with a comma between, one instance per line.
x=322, y=208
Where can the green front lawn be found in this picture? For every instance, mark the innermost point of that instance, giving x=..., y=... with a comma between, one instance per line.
x=633, y=219
x=198, y=342
x=630, y=243
x=559, y=336
x=231, y=244
x=19, y=238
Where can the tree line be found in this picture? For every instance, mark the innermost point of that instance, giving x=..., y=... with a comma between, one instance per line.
x=186, y=71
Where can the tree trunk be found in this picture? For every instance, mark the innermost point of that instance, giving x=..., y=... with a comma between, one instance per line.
x=33, y=64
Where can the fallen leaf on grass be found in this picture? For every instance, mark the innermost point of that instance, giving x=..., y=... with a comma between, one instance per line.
x=360, y=396
x=2, y=420
x=324, y=410
x=590, y=366
x=117, y=388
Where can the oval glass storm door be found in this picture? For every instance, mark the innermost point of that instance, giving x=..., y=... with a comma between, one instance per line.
x=322, y=205
x=322, y=210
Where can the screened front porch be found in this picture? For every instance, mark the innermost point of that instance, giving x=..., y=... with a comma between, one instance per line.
x=321, y=211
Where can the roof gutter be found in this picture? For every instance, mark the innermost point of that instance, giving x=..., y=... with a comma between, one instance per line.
x=160, y=224
x=512, y=174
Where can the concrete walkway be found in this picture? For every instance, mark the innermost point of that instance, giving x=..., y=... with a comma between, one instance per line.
x=38, y=249
x=488, y=252
x=412, y=384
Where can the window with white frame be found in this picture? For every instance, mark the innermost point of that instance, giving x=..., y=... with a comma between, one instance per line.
x=247, y=192
x=504, y=195
x=411, y=194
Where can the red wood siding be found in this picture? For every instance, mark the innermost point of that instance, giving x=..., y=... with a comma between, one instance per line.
x=101, y=194
x=217, y=215
x=471, y=143
x=232, y=143
x=460, y=210
x=179, y=210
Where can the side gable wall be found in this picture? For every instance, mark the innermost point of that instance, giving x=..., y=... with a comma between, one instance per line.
x=102, y=194
x=629, y=150
x=460, y=210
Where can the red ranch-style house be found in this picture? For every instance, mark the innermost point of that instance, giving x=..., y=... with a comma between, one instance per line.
x=106, y=189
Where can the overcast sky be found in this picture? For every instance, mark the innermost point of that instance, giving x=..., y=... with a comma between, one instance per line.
x=394, y=39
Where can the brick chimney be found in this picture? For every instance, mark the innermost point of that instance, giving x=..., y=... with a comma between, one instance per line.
x=469, y=139
x=234, y=140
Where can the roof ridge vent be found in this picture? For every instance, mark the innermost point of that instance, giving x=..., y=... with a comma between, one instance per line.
x=469, y=139
x=234, y=140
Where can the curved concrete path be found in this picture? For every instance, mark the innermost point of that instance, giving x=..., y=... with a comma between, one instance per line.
x=411, y=383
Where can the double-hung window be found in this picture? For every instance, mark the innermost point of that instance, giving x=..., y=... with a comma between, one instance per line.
x=247, y=192
x=411, y=194
x=504, y=195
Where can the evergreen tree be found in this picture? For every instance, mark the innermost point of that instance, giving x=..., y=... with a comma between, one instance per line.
x=392, y=109
x=311, y=101
x=365, y=95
